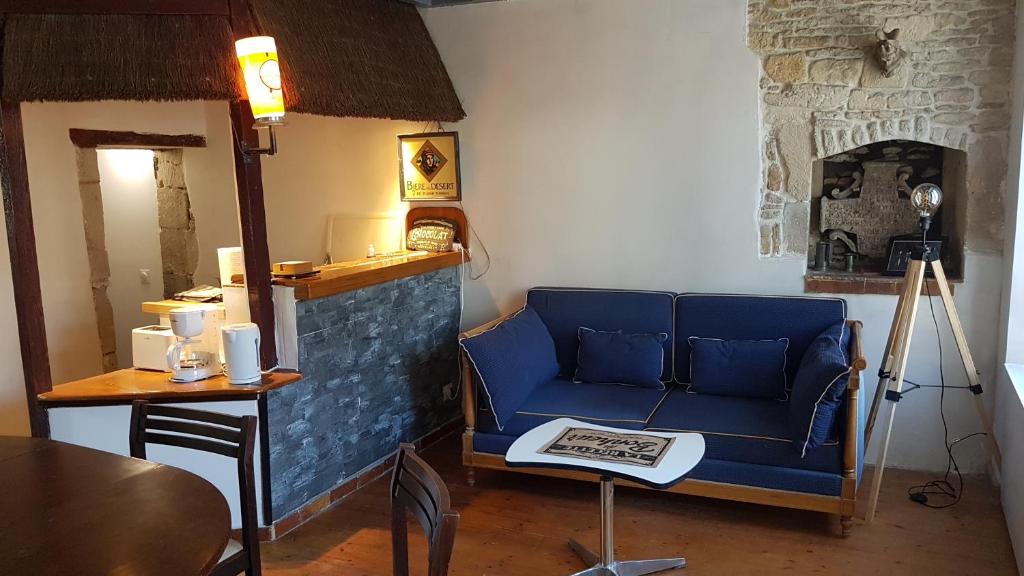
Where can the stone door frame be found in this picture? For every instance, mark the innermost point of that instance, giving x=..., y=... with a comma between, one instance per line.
x=174, y=224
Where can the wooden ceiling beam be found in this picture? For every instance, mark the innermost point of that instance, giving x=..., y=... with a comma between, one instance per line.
x=132, y=7
x=83, y=138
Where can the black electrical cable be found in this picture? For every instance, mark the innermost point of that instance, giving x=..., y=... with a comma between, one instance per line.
x=942, y=487
x=916, y=385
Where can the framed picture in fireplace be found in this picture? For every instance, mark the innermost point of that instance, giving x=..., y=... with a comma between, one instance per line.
x=900, y=249
x=429, y=167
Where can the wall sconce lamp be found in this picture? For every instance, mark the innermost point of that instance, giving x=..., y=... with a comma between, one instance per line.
x=257, y=56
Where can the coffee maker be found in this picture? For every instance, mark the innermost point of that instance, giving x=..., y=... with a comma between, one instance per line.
x=189, y=359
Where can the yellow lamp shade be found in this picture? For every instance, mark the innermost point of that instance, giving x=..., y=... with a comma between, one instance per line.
x=258, y=57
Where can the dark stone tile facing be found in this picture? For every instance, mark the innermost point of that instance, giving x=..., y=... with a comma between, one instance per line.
x=374, y=362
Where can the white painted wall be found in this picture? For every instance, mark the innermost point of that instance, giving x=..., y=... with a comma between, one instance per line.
x=1009, y=413
x=210, y=178
x=128, y=189
x=615, y=144
x=329, y=166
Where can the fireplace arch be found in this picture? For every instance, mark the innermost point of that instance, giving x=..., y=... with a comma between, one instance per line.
x=860, y=203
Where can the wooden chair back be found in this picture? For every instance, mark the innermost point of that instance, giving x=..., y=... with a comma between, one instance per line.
x=416, y=488
x=230, y=436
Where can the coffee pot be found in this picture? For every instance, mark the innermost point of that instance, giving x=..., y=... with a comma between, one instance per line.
x=186, y=358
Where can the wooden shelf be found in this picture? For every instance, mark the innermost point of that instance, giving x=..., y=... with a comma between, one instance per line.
x=124, y=386
x=356, y=274
x=838, y=282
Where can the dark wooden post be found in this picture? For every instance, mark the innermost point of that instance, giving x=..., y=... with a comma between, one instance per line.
x=28, y=298
x=252, y=212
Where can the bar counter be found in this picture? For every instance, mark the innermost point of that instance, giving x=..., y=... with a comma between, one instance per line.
x=126, y=386
x=376, y=342
x=356, y=274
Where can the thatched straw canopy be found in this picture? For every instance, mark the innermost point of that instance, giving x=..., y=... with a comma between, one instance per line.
x=360, y=58
x=74, y=58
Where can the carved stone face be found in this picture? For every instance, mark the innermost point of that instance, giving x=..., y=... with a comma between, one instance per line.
x=888, y=52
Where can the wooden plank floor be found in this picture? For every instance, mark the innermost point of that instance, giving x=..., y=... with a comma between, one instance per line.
x=514, y=524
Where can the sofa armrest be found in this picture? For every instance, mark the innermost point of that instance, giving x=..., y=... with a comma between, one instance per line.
x=468, y=392
x=857, y=360
x=853, y=450
x=485, y=327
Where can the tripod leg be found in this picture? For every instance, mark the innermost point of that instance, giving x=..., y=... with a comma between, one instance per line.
x=898, y=320
x=915, y=278
x=967, y=357
x=876, y=479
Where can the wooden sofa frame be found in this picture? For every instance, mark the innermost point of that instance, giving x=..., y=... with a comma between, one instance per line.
x=842, y=506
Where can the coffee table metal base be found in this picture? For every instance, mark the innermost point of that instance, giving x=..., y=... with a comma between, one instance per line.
x=606, y=564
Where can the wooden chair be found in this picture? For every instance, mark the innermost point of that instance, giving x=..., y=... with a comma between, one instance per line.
x=417, y=488
x=231, y=436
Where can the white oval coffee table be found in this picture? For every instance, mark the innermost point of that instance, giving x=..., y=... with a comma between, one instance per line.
x=637, y=456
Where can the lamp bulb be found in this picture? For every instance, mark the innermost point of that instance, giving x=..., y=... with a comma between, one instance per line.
x=926, y=199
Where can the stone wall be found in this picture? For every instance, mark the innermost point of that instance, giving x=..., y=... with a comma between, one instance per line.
x=96, y=251
x=375, y=365
x=823, y=93
x=179, y=245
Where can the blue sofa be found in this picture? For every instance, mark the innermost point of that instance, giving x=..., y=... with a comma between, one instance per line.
x=750, y=456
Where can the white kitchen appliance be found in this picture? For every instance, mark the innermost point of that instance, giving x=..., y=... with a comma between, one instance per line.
x=149, y=347
x=188, y=359
x=242, y=352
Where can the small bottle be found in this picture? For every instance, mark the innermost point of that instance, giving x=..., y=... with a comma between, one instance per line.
x=371, y=252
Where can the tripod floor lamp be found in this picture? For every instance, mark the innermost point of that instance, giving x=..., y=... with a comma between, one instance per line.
x=926, y=199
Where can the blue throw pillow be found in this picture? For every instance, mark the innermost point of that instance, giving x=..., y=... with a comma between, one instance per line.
x=744, y=368
x=512, y=359
x=617, y=358
x=819, y=387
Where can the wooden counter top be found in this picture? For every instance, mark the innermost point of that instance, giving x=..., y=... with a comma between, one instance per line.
x=124, y=386
x=355, y=274
x=165, y=306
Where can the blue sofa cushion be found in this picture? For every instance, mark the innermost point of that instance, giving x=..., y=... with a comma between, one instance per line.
x=618, y=358
x=819, y=387
x=511, y=360
x=731, y=317
x=743, y=368
x=746, y=430
x=608, y=404
x=564, y=310
x=627, y=407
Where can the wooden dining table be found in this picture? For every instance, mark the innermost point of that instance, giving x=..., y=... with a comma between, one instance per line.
x=68, y=510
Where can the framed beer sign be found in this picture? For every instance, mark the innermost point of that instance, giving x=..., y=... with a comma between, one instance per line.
x=429, y=167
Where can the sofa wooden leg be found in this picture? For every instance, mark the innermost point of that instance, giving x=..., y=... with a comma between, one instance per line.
x=470, y=476
x=846, y=522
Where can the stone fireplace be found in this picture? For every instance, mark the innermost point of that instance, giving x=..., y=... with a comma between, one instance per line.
x=861, y=199
x=825, y=97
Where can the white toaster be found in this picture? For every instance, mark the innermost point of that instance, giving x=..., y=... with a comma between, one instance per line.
x=149, y=347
